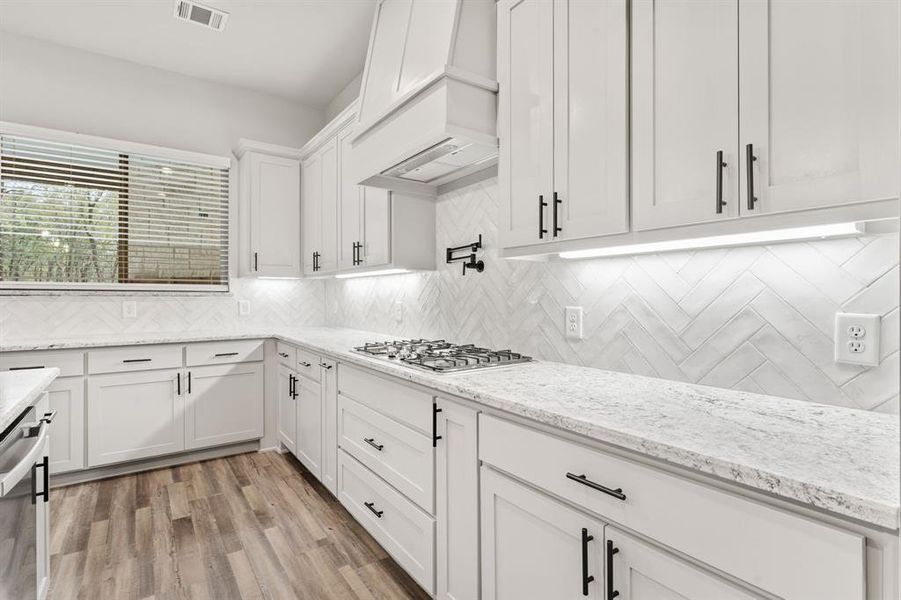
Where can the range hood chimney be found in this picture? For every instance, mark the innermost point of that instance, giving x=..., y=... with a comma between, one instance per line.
x=428, y=103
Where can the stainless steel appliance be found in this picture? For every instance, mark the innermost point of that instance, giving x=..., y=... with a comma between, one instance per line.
x=440, y=356
x=24, y=511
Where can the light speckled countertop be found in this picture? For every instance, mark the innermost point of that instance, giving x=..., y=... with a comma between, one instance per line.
x=20, y=389
x=840, y=460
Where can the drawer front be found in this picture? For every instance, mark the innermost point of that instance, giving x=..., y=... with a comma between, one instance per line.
x=70, y=363
x=134, y=358
x=400, y=402
x=287, y=355
x=220, y=353
x=398, y=454
x=752, y=541
x=407, y=533
x=308, y=364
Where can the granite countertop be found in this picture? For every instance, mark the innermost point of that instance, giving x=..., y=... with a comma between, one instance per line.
x=836, y=459
x=20, y=389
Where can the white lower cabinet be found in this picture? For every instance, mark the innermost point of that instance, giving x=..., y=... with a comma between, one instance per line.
x=224, y=405
x=309, y=424
x=134, y=415
x=534, y=547
x=329, y=383
x=67, y=434
x=642, y=572
x=287, y=408
x=457, y=501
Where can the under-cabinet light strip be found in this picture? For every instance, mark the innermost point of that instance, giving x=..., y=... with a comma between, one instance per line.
x=371, y=273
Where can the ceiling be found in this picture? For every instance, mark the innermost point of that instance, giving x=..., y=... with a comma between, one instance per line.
x=304, y=50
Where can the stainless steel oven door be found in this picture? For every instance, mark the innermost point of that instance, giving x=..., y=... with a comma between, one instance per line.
x=23, y=472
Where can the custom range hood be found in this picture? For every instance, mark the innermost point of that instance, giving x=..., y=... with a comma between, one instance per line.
x=428, y=103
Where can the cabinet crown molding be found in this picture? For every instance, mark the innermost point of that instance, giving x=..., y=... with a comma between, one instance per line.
x=330, y=130
x=244, y=146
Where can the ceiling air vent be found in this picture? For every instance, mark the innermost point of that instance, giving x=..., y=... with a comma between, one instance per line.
x=199, y=14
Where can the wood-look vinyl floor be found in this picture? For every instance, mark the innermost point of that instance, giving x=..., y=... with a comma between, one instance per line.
x=250, y=526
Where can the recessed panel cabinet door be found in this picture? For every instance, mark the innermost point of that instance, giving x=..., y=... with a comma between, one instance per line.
x=591, y=119
x=287, y=409
x=224, y=404
x=350, y=205
x=643, y=572
x=532, y=545
x=134, y=415
x=684, y=111
x=67, y=434
x=819, y=102
x=329, y=387
x=328, y=261
x=275, y=215
x=309, y=425
x=311, y=207
x=525, y=69
x=376, y=227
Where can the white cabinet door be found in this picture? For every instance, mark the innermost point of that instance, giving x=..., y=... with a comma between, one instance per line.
x=819, y=102
x=224, y=404
x=643, y=572
x=329, y=386
x=287, y=408
x=525, y=69
x=684, y=111
x=274, y=215
x=457, y=506
x=67, y=433
x=328, y=261
x=532, y=545
x=309, y=425
x=350, y=205
x=591, y=119
x=134, y=415
x=311, y=211
x=377, y=206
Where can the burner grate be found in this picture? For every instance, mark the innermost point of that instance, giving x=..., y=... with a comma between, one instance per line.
x=440, y=356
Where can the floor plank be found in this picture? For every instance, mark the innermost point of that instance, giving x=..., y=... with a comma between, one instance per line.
x=247, y=527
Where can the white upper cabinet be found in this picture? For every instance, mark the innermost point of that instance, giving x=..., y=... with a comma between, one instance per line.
x=562, y=120
x=320, y=210
x=684, y=112
x=269, y=213
x=819, y=102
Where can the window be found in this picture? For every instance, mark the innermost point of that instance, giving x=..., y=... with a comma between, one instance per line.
x=84, y=216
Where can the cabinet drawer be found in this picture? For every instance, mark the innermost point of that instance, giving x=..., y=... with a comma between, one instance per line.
x=68, y=362
x=407, y=533
x=308, y=364
x=219, y=353
x=752, y=541
x=287, y=355
x=400, y=402
x=134, y=358
x=401, y=456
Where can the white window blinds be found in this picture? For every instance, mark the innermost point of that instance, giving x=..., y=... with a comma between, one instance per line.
x=77, y=216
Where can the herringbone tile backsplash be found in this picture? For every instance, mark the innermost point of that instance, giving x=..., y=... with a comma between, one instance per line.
x=755, y=318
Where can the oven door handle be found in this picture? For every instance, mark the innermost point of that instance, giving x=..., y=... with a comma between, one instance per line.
x=11, y=478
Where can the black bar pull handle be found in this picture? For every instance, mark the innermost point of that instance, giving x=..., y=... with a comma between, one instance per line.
x=226, y=354
x=290, y=385
x=557, y=203
x=325, y=366
x=435, y=436
x=189, y=382
x=371, y=506
x=611, y=550
x=586, y=578
x=720, y=203
x=303, y=364
x=256, y=261
x=371, y=442
x=616, y=493
x=178, y=383
x=541, y=205
x=45, y=466
x=749, y=166
x=137, y=360
x=283, y=354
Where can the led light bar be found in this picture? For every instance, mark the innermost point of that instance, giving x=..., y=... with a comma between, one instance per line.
x=371, y=273
x=721, y=241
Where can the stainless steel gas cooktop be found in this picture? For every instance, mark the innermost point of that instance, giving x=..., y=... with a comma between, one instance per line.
x=440, y=356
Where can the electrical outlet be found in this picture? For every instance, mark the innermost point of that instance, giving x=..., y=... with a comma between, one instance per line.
x=573, y=322
x=243, y=308
x=857, y=339
x=398, y=310
x=129, y=309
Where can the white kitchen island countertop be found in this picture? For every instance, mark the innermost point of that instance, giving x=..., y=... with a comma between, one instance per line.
x=836, y=459
x=21, y=389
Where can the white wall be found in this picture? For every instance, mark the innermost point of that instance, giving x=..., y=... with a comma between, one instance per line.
x=53, y=86
x=344, y=97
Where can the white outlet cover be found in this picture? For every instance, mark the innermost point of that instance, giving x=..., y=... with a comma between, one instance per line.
x=129, y=309
x=243, y=307
x=573, y=322
x=398, y=311
x=857, y=339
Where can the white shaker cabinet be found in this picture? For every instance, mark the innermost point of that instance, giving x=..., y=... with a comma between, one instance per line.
x=533, y=547
x=643, y=572
x=135, y=415
x=287, y=408
x=320, y=210
x=269, y=212
x=684, y=112
x=457, y=501
x=66, y=396
x=329, y=388
x=819, y=97
x=223, y=404
x=309, y=424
